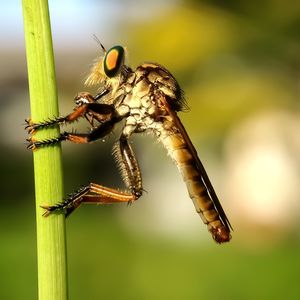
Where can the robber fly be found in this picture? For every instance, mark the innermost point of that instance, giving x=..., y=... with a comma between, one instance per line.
x=147, y=99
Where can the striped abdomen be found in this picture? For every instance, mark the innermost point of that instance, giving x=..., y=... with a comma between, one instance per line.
x=199, y=187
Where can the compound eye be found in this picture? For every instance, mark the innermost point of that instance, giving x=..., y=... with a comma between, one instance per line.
x=113, y=61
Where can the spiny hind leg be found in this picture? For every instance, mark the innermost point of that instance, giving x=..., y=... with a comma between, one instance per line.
x=97, y=194
x=92, y=193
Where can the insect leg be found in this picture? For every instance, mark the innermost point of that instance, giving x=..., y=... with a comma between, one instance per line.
x=85, y=103
x=128, y=166
x=95, y=193
x=79, y=138
x=92, y=193
x=101, y=131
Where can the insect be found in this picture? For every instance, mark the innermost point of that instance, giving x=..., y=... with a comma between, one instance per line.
x=146, y=99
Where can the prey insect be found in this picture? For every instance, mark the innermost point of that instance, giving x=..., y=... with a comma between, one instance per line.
x=146, y=99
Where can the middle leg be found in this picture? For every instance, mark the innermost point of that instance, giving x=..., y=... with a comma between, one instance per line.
x=79, y=138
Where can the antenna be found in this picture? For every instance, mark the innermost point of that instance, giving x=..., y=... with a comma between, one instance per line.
x=99, y=43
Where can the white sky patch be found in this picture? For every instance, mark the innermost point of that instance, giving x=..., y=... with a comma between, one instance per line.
x=74, y=22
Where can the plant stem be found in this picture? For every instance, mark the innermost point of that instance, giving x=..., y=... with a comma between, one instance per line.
x=51, y=240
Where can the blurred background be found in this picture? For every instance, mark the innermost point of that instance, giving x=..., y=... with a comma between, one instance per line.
x=239, y=65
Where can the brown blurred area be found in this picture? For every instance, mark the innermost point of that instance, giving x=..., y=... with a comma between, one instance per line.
x=238, y=63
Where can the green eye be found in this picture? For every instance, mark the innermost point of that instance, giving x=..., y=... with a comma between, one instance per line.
x=113, y=61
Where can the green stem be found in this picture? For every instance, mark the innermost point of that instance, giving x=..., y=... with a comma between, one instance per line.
x=51, y=240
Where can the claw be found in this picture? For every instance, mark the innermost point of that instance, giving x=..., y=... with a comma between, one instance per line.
x=33, y=143
x=30, y=127
x=30, y=130
x=48, y=210
x=32, y=146
x=28, y=121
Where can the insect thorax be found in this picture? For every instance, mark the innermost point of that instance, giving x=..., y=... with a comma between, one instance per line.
x=139, y=97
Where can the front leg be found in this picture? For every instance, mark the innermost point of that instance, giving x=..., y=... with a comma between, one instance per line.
x=85, y=103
